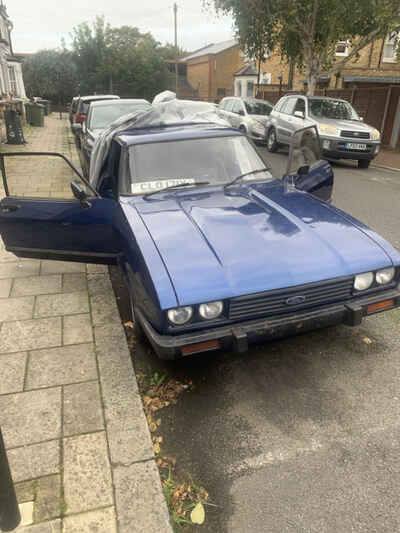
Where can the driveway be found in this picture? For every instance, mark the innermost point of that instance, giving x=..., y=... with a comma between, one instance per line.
x=300, y=435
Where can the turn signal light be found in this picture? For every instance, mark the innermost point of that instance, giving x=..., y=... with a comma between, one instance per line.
x=200, y=347
x=380, y=306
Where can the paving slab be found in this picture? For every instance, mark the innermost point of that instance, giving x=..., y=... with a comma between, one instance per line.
x=35, y=285
x=25, y=491
x=87, y=475
x=16, y=308
x=30, y=417
x=61, y=267
x=48, y=498
x=77, y=329
x=12, y=372
x=54, y=526
x=140, y=503
x=26, y=512
x=82, y=408
x=75, y=281
x=104, y=309
x=32, y=334
x=99, y=283
x=5, y=287
x=61, y=304
x=37, y=460
x=20, y=269
x=62, y=365
x=99, y=521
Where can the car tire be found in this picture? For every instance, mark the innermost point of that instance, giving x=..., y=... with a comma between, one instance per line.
x=364, y=163
x=272, y=144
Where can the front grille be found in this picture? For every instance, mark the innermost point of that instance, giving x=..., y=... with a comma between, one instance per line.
x=355, y=134
x=275, y=302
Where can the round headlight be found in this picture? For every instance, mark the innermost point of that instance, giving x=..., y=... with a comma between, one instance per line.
x=385, y=275
x=211, y=310
x=375, y=135
x=180, y=315
x=363, y=281
x=328, y=129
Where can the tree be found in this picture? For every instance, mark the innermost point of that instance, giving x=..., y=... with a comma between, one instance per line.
x=118, y=60
x=51, y=74
x=307, y=31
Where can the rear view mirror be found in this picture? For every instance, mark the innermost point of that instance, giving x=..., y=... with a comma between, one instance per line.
x=304, y=149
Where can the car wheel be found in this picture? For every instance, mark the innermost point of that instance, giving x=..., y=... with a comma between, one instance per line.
x=364, y=163
x=139, y=331
x=272, y=144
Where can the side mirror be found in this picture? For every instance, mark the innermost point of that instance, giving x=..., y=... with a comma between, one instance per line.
x=361, y=119
x=80, y=194
x=77, y=128
x=299, y=114
x=241, y=112
x=302, y=171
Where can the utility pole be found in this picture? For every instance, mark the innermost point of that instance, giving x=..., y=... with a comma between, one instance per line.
x=176, y=48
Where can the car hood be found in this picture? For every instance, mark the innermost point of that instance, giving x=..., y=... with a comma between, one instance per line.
x=347, y=125
x=261, y=118
x=253, y=238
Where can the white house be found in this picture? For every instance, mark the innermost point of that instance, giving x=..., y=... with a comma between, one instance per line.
x=11, y=80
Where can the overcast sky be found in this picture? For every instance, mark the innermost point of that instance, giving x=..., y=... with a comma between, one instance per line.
x=42, y=23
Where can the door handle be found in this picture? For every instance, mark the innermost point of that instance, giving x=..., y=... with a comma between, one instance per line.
x=9, y=208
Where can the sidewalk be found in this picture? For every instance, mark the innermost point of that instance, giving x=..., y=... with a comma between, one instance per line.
x=388, y=158
x=80, y=451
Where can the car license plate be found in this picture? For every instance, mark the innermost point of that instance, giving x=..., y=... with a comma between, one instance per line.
x=355, y=146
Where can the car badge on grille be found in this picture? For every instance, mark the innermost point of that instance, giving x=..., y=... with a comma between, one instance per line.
x=356, y=134
x=295, y=300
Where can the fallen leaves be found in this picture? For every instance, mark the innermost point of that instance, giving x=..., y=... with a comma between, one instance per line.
x=197, y=516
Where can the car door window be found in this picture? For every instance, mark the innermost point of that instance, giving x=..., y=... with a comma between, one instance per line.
x=236, y=106
x=228, y=106
x=39, y=176
x=288, y=106
x=300, y=106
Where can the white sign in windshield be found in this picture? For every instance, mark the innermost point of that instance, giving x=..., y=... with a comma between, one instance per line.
x=144, y=187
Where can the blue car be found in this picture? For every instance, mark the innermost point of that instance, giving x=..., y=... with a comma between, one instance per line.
x=216, y=252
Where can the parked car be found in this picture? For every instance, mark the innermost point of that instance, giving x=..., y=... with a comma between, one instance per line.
x=342, y=131
x=72, y=108
x=99, y=116
x=83, y=106
x=249, y=115
x=216, y=252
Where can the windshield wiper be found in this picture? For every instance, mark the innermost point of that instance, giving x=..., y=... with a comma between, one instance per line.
x=178, y=185
x=244, y=175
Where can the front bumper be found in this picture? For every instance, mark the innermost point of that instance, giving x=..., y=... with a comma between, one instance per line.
x=237, y=337
x=337, y=148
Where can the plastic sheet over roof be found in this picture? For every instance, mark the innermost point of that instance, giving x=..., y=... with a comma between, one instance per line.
x=166, y=110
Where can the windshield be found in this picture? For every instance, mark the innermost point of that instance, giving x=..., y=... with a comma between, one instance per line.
x=257, y=108
x=336, y=109
x=217, y=160
x=102, y=116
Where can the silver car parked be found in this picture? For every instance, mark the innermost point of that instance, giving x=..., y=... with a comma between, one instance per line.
x=248, y=115
x=342, y=132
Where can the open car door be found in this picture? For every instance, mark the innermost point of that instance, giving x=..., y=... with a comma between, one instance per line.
x=306, y=171
x=42, y=216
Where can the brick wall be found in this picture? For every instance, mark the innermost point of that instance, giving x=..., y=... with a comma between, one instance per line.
x=198, y=75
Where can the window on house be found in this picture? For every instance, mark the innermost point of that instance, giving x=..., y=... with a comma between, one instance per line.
x=13, y=81
x=239, y=88
x=221, y=92
x=266, y=78
x=390, y=48
x=342, y=48
x=250, y=88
